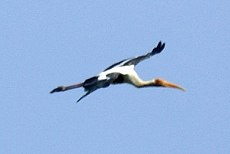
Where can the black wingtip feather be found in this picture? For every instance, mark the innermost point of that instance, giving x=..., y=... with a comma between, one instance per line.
x=159, y=48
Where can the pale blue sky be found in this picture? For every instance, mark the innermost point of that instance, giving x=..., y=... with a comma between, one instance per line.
x=45, y=44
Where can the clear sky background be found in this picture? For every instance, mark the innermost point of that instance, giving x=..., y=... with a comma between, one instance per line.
x=45, y=44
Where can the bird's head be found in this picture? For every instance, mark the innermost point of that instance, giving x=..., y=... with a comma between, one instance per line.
x=163, y=83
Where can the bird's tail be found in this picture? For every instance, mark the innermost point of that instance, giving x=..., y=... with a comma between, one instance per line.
x=64, y=88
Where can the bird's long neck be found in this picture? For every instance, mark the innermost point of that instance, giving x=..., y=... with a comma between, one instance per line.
x=139, y=83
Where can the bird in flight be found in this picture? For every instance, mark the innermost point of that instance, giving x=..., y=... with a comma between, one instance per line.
x=121, y=72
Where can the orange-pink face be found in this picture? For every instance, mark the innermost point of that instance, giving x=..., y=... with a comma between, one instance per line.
x=167, y=84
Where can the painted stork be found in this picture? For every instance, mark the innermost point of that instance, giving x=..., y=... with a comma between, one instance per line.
x=121, y=72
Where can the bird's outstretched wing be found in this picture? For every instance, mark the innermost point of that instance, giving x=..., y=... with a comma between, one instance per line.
x=94, y=83
x=136, y=60
x=120, y=63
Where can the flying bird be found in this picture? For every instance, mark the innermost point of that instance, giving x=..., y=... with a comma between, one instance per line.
x=121, y=72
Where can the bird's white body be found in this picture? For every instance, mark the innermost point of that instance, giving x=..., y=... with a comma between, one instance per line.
x=129, y=74
x=124, y=70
